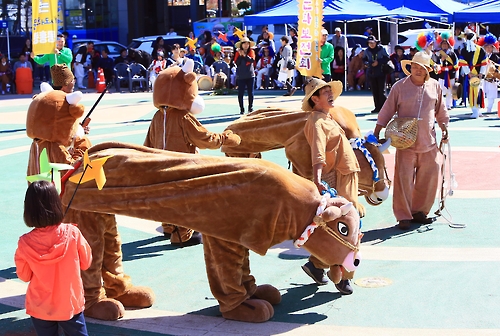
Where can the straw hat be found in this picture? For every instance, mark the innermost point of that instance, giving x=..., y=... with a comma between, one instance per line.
x=313, y=85
x=243, y=40
x=422, y=58
x=61, y=75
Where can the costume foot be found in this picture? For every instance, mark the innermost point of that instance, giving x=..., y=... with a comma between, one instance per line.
x=194, y=240
x=335, y=274
x=344, y=287
x=421, y=218
x=269, y=293
x=404, y=224
x=292, y=91
x=251, y=310
x=137, y=297
x=106, y=309
x=317, y=274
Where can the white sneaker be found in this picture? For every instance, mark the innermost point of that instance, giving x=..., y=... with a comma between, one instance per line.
x=3, y=92
x=358, y=87
x=351, y=88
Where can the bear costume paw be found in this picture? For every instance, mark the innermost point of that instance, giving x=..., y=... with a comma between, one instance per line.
x=251, y=310
x=137, y=297
x=268, y=293
x=105, y=309
x=232, y=139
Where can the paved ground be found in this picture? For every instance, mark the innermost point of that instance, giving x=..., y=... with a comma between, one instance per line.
x=438, y=280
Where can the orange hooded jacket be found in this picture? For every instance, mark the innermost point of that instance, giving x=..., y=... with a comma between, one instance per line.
x=50, y=259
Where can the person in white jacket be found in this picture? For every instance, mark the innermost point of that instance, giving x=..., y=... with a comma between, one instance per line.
x=263, y=65
x=156, y=66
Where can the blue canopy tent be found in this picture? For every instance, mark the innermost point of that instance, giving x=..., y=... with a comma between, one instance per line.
x=352, y=10
x=485, y=12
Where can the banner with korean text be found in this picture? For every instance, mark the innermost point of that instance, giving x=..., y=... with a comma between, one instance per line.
x=310, y=23
x=45, y=22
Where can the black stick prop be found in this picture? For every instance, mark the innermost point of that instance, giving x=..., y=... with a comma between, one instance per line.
x=87, y=117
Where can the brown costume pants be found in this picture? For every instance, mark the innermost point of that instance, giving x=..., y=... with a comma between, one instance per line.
x=351, y=79
x=416, y=179
x=101, y=232
x=347, y=187
x=223, y=258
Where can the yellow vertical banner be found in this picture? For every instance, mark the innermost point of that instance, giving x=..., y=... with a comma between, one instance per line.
x=45, y=21
x=310, y=23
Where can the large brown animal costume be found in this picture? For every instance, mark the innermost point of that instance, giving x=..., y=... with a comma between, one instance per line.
x=174, y=127
x=272, y=128
x=52, y=124
x=237, y=204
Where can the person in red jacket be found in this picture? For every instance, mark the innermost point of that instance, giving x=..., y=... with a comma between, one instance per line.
x=50, y=257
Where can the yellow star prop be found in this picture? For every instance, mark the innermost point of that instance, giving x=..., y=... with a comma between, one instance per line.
x=191, y=43
x=239, y=33
x=91, y=171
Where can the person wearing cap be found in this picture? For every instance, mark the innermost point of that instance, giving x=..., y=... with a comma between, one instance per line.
x=375, y=56
x=473, y=64
x=62, y=78
x=356, y=71
x=332, y=157
x=396, y=57
x=325, y=55
x=416, y=174
x=156, y=66
x=368, y=31
x=448, y=66
x=339, y=39
x=245, y=71
x=490, y=45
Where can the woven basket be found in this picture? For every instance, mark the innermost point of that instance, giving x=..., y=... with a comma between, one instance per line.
x=402, y=132
x=330, y=178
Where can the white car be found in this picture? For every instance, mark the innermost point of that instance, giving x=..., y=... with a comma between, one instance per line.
x=408, y=38
x=145, y=43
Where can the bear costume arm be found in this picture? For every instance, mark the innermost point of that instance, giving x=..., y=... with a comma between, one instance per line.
x=196, y=134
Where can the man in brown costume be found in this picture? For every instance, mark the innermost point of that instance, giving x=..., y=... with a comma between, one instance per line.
x=52, y=124
x=174, y=127
x=237, y=204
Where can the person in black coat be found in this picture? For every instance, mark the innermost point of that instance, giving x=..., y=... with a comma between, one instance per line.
x=375, y=57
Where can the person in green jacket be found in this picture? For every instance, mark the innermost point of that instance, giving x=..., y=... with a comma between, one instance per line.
x=326, y=55
x=62, y=54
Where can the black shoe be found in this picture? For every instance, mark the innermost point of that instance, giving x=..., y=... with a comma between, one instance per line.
x=421, y=218
x=404, y=224
x=287, y=94
x=250, y=109
x=292, y=91
x=344, y=287
x=375, y=111
x=317, y=274
x=242, y=111
x=167, y=235
x=194, y=240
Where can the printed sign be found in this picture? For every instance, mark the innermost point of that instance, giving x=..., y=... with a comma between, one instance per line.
x=45, y=23
x=310, y=23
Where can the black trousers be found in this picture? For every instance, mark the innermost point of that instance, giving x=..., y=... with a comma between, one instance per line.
x=378, y=91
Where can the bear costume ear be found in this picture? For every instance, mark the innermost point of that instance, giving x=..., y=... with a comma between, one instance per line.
x=188, y=65
x=45, y=87
x=333, y=212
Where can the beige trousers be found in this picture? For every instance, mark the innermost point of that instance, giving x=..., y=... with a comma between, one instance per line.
x=416, y=180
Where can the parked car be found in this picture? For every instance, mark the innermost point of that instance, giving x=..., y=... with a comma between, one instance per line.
x=408, y=38
x=113, y=48
x=145, y=43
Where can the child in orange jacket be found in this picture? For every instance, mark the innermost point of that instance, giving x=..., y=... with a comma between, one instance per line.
x=50, y=258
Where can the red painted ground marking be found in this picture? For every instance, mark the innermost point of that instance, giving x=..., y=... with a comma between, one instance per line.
x=473, y=170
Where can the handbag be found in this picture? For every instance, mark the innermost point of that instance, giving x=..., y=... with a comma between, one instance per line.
x=403, y=130
x=290, y=65
x=388, y=67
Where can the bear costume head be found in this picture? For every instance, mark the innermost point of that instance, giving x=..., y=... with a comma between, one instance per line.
x=177, y=87
x=53, y=115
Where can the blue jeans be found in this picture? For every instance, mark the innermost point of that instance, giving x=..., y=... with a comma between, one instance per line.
x=73, y=327
x=247, y=83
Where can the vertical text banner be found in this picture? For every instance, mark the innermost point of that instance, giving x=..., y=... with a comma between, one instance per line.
x=310, y=24
x=45, y=21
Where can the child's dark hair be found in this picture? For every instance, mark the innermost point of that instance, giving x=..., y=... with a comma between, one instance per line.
x=42, y=205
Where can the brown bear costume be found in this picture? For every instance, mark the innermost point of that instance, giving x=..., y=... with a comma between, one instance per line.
x=174, y=126
x=237, y=204
x=52, y=124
